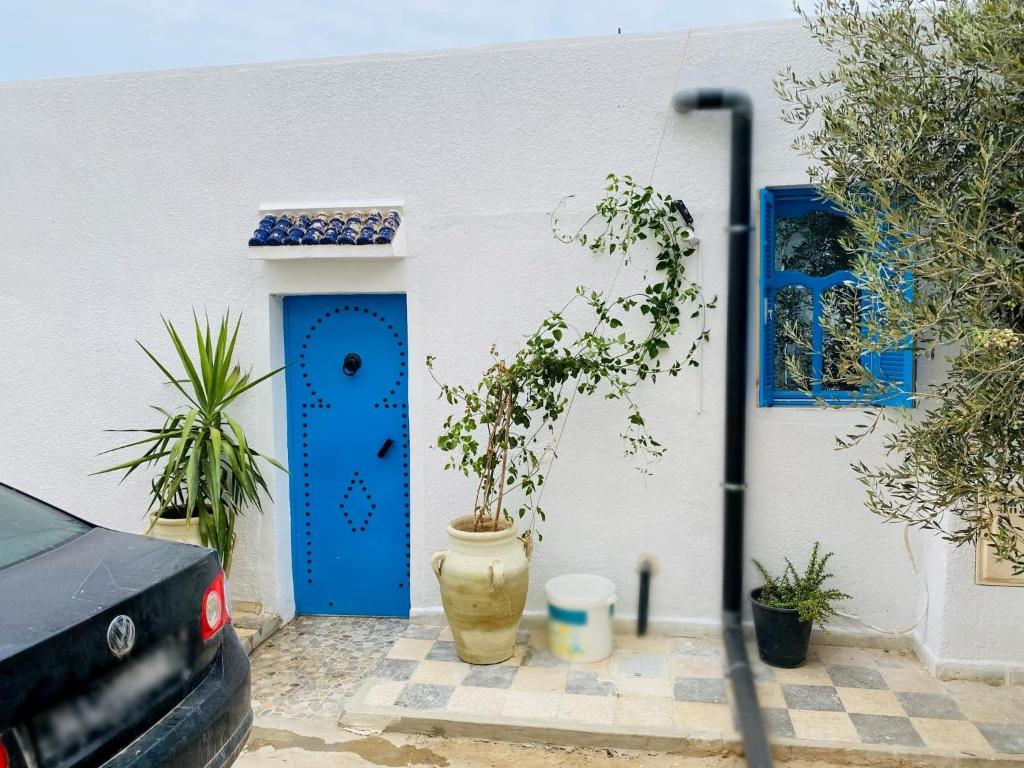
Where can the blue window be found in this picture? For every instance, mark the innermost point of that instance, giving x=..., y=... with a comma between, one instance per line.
x=805, y=271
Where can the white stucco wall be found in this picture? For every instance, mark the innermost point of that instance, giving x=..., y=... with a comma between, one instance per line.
x=129, y=196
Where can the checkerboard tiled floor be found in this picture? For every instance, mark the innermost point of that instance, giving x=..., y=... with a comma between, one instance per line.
x=675, y=686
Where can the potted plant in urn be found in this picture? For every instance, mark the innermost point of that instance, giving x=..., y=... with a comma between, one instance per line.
x=505, y=429
x=786, y=609
x=208, y=470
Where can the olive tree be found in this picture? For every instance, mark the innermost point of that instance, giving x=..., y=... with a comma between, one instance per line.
x=916, y=131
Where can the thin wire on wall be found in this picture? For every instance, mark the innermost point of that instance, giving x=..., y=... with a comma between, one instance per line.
x=700, y=254
x=611, y=287
x=924, y=588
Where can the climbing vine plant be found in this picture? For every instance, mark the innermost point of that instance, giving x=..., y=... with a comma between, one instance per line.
x=504, y=430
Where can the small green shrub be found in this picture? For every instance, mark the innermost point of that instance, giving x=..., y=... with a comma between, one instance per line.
x=802, y=592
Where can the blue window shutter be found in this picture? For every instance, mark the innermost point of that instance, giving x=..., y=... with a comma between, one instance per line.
x=895, y=368
x=766, y=381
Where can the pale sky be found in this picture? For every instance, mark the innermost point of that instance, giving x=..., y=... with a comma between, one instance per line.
x=62, y=38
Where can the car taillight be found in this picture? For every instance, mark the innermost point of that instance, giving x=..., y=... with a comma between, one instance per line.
x=12, y=752
x=213, y=611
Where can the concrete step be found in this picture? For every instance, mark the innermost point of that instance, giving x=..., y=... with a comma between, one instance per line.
x=254, y=628
x=245, y=606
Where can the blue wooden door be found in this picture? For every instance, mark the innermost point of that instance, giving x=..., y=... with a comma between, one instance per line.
x=348, y=450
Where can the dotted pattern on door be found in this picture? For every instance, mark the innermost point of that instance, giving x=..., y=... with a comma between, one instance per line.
x=348, y=450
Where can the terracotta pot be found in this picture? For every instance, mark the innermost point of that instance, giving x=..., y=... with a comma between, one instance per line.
x=484, y=577
x=175, y=530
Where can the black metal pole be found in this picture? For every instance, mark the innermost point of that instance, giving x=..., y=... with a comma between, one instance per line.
x=643, y=606
x=737, y=340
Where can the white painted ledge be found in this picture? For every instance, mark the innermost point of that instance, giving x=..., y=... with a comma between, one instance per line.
x=392, y=250
x=330, y=206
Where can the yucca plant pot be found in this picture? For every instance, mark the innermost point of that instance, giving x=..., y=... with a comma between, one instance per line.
x=173, y=528
x=484, y=575
x=782, y=637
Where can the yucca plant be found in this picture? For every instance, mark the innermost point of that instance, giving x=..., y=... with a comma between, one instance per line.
x=208, y=469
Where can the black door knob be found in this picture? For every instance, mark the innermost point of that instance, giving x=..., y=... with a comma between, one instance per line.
x=351, y=364
x=384, y=448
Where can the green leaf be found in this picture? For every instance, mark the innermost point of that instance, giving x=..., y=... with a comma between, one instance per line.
x=186, y=361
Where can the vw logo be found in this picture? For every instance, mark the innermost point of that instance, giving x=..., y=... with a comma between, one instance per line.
x=121, y=635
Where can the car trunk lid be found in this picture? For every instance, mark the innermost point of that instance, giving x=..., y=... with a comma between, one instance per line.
x=67, y=672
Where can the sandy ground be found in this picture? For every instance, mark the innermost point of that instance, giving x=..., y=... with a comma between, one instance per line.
x=279, y=742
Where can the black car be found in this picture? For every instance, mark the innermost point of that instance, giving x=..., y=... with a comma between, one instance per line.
x=116, y=650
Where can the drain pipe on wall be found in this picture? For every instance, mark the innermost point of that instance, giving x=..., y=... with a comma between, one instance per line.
x=736, y=371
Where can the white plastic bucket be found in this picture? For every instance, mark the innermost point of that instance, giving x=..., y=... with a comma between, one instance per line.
x=580, y=611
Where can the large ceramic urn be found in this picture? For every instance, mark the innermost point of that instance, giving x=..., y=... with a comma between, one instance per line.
x=484, y=575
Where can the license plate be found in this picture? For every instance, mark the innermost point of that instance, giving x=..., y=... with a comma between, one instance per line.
x=117, y=702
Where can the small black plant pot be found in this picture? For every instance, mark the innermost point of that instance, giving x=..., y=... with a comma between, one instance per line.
x=782, y=638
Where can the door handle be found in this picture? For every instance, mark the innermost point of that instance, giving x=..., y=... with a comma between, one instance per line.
x=351, y=364
x=384, y=448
